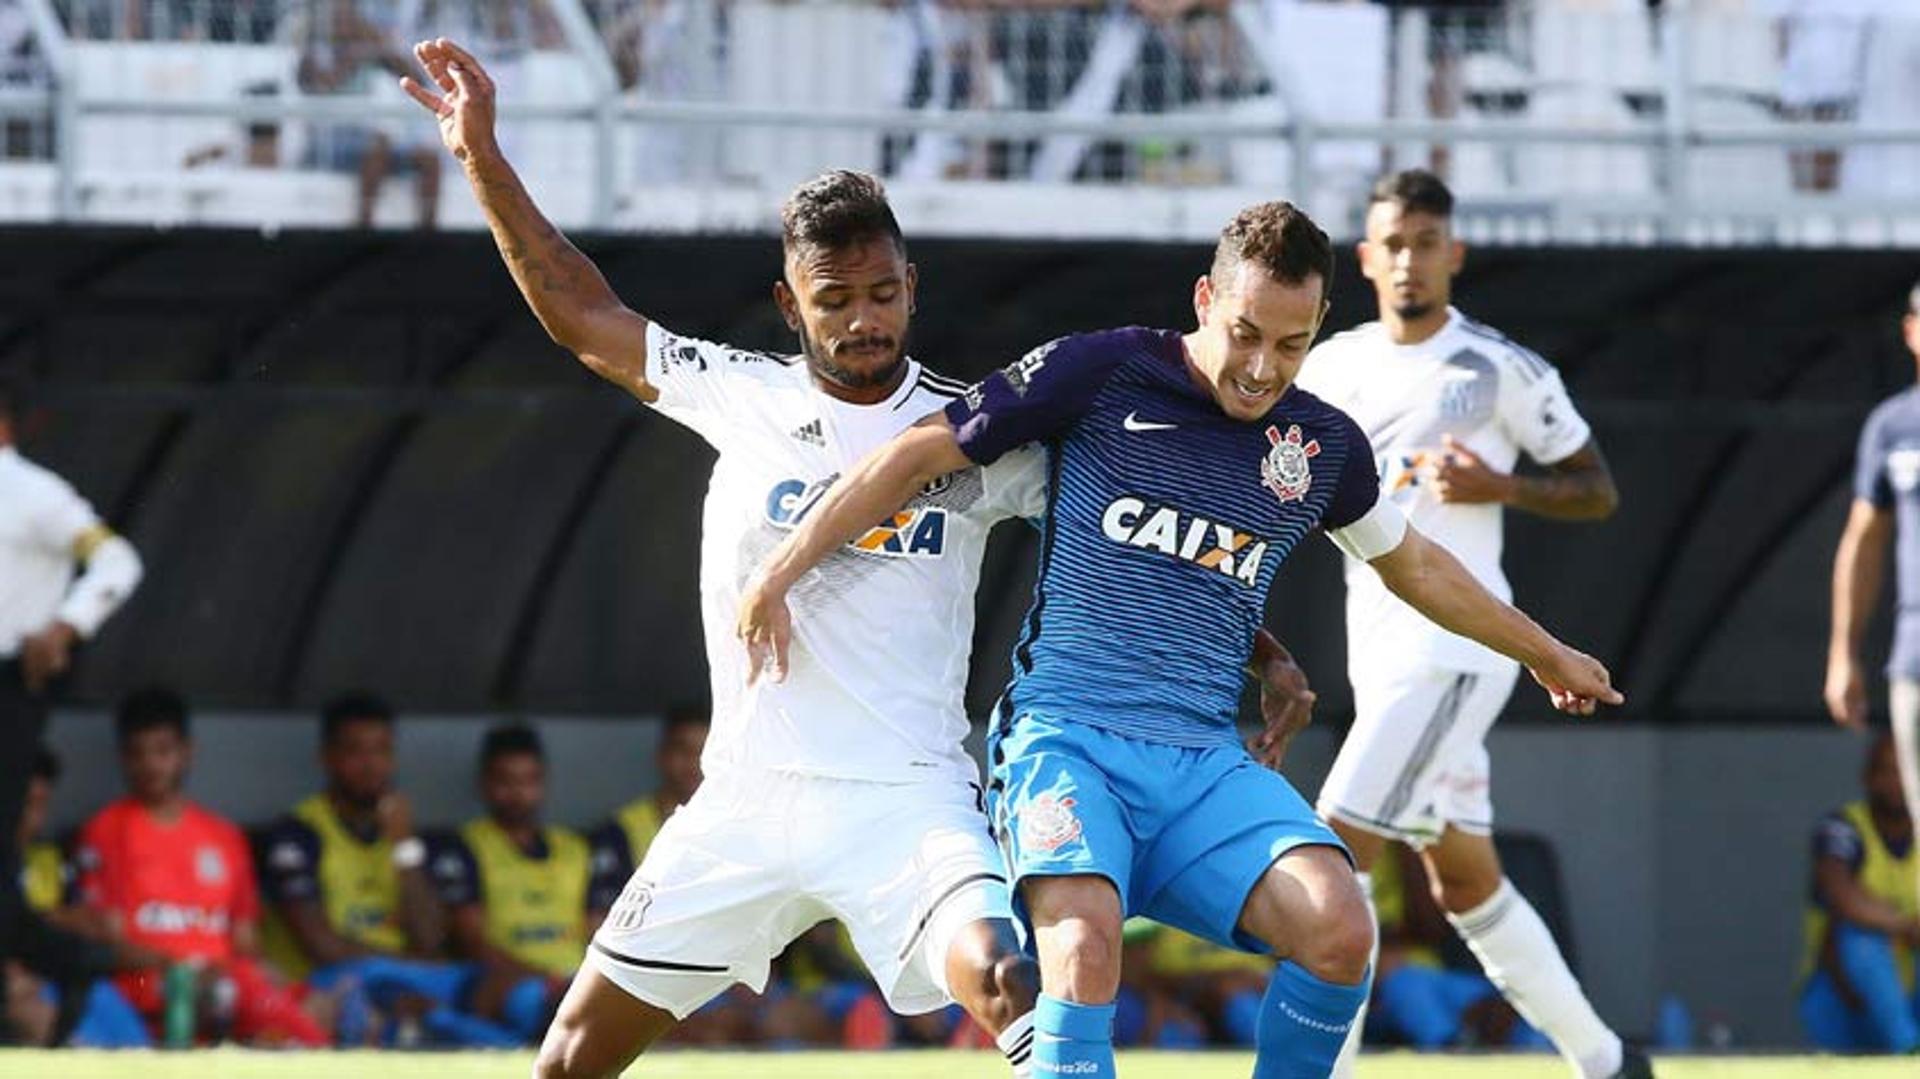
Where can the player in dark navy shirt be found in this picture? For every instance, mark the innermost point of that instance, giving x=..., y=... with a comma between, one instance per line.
x=1184, y=469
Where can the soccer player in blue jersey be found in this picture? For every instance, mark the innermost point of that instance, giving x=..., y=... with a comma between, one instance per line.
x=1184, y=469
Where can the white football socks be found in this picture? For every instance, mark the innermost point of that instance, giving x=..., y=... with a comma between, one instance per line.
x=1520, y=956
x=1016, y=1042
x=1343, y=1066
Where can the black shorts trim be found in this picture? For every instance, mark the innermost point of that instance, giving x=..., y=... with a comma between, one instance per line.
x=658, y=964
x=952, y=890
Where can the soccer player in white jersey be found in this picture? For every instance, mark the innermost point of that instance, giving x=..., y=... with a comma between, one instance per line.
x=1449, y=406
x=844, y=791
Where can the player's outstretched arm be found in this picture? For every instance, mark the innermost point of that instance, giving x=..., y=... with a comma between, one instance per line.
x=1433, y=582
x=1859, y=565
x=573, y=302
x=881, y=483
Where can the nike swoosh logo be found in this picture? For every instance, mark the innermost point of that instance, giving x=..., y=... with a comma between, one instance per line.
x=1133, y=422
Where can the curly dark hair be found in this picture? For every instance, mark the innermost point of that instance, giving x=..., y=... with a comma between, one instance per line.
x=836, y=210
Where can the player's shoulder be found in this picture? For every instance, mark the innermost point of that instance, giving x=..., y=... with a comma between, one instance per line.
x=1112, y=347
x=213, y=826
x=931, y=390
x=32, y=482
x=109, y=819
x=1363, y=339
x=1837, y=834
x=702, y=356
x=1902, y=409
x=1515, y=357
x=289, y=829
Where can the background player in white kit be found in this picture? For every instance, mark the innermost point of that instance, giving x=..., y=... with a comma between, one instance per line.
x=844, y=791
x=1449, y=406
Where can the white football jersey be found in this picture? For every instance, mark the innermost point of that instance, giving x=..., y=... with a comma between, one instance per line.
x=1495, y=398
x=883, y=629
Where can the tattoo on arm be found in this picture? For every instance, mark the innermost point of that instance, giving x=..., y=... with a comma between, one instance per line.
x=1578, y=488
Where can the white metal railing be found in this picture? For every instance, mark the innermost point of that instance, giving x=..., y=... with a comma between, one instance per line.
x=1570, y=120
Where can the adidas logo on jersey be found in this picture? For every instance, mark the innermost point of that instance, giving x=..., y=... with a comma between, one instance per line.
x=914, y=532
x=809, y=432
x=1187, y=537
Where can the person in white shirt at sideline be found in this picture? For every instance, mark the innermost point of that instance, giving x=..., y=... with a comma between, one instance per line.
x=46, y=531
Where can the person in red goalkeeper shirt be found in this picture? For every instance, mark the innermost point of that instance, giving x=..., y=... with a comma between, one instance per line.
x=177, y=878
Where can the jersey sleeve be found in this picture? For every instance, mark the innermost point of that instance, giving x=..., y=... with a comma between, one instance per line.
x=1836, y=837
x=1870, y=463
x=1357, y=487
x=290, y=864
x=611, y=862
x=698, y=380
x=1016, y=484
x=1358, y=521
x=60, y=517
x=1038, y=395
x=1539, y=415
x=455, y=872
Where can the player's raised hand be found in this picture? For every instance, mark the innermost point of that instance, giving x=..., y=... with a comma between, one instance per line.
x=765, y=627
x=1459, y=475
x=1576, y=682
x=460, y=96
x=1846, y=692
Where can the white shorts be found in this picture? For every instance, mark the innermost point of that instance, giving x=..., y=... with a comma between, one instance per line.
x=754, y=860
x=1415, y=762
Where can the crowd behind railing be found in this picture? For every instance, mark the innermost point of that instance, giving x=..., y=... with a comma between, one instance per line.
x=1610, y=96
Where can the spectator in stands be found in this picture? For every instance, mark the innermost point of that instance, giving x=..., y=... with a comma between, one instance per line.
x=107, y=1021
x=1823, y=57
x=350, y=902
x=1863, y=925
x=341, y=53
x=46, y=531
x=1418, y=999
x=177, y=878
x=620, y=843
x=518, y=890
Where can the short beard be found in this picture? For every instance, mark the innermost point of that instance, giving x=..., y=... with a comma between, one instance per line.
x=823, y=364
x=1412, y=311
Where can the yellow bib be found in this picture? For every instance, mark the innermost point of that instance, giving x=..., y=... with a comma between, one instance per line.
x=359, y=890
x=44, y=877
x=1390, y=905
x=536, y=909
x=640, y=821
x=1883, y=876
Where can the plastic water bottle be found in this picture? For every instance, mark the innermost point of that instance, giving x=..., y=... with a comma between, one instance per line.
x=181, y=987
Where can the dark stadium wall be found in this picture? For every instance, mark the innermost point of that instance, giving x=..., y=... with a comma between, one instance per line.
x=353, y=459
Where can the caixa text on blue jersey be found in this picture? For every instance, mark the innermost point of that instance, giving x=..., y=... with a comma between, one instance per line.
x=1188, y=537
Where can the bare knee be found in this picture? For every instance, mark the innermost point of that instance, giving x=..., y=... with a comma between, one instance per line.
x=1089, y=960
x=990, y=977
x=1338, y=943
x=1309, y=908
x=1077, y=930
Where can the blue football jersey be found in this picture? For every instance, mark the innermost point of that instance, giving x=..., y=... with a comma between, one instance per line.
x=1166, y=523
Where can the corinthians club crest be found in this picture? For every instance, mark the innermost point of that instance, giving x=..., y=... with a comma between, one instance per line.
x=1285, y=470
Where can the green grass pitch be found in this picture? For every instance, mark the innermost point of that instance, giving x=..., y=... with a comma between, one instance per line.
x=237, y=1064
